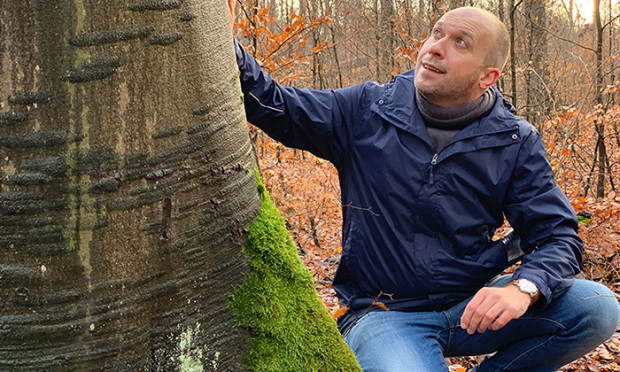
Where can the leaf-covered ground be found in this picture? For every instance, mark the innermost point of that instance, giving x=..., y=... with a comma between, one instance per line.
x=305, y=190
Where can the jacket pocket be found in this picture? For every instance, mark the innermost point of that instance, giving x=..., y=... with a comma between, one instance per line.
x=449, y=270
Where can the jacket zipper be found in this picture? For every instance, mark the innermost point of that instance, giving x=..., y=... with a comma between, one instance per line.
x=433, y=162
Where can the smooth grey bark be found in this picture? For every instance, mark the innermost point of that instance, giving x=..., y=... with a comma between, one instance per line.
x=126, y=186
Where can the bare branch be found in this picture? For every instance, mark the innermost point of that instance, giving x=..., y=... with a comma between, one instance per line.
x=369, y=209
x=610, y=21
x=556, y=35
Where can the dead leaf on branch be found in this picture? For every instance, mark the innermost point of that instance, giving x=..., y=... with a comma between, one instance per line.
x=340, y=312
x=380, y=304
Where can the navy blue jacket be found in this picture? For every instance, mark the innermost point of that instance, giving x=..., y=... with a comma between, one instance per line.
x=418, y=225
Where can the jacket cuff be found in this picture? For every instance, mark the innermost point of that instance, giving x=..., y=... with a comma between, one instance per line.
x=238, y=52
x=545, y=292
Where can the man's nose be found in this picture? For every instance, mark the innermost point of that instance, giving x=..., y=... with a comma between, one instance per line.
x=437, y=48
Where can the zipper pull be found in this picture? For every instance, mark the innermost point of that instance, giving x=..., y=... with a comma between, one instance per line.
x=433, y=162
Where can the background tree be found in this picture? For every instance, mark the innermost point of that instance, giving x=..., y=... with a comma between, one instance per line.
x=537, y=97
x=127, y=189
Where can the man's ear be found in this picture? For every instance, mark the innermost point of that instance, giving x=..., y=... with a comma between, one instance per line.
x=491, y=74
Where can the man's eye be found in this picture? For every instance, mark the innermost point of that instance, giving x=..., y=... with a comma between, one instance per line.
x=461, y=42
x=436, y=33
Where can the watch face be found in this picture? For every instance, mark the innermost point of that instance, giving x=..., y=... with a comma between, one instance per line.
x=527, y=286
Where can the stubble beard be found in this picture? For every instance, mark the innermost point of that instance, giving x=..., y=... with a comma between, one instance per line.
x=449, y=91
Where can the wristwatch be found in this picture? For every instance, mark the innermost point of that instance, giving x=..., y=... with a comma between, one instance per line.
x=526, y=287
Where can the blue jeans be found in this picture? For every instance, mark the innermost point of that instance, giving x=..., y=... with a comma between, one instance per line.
x=540, y=340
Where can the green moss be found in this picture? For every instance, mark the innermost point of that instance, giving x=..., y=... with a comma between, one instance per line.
x=292, y=330
x=585, y=220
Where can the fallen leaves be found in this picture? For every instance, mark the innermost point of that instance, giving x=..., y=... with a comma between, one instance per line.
x=604, y=358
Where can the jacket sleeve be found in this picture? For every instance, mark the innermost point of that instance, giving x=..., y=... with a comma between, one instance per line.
x=545, y=220
x=312, y=120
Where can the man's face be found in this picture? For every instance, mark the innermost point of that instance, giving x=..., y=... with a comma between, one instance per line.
x=450, y=63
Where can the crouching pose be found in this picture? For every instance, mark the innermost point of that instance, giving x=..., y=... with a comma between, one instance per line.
x=429, y=165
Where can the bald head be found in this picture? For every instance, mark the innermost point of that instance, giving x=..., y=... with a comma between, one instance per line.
x=497, y=53
x=462, y=57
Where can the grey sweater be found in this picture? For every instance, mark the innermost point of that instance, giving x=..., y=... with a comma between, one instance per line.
x=443, y=123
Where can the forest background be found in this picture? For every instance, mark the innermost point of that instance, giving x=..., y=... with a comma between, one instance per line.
x=562, y=76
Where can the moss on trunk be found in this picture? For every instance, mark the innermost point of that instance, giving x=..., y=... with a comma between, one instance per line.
x=292, y=330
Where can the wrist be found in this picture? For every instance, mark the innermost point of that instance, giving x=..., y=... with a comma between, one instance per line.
x=527, y=287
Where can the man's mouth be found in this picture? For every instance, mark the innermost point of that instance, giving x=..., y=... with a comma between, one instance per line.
x=432, y=68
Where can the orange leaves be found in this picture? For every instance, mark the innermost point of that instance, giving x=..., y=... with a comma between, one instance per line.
x=612, y=88
x=380, y=304
x=411, y=54
x=571, y=137
x=579, y=204
x=316, y=22
x=340, y=312
x=561, y=117
x=281, y=47
x=609, y=208
x=297, y=25
x=263, y=16
x=604, y=358
x=566, y=152
x=319, y=47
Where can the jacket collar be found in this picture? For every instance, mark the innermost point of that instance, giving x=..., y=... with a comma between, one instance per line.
x=397, y=105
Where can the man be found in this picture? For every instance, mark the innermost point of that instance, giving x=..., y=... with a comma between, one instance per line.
x=429, y=165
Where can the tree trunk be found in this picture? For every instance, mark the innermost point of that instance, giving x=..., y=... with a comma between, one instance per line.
x=598, y=86
x=334, y=49
x=127, y=187
x=536, y=74
x=385, y=40
x=501, y=83
x=612, y=61
x=513, y=55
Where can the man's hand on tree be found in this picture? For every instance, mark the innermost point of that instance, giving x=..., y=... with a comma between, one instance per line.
x=232, y=7
x=493, y=307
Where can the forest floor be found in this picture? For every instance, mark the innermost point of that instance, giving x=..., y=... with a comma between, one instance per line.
x=305, y=190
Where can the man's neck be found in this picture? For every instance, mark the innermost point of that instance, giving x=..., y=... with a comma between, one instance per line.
x=455, y=117
x=443, y=123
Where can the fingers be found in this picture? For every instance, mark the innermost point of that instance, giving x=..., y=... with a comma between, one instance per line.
x=479, y=313
x=501, y=321
x=489, y=317
x=493, y=308
x=468, y=319
x=232, y=8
